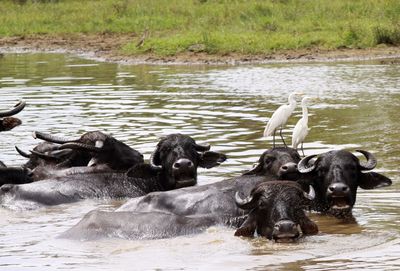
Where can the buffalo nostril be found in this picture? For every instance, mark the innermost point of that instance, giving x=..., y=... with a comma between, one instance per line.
x=183, y=163
x=338, y=188
x=284, y=167
x=295, y=166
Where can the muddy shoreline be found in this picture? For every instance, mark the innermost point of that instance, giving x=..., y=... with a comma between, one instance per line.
x=106, y=47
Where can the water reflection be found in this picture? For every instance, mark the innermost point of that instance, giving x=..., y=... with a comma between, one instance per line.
x=226, y=107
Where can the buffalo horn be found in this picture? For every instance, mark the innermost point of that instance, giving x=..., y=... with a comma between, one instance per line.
x=22, y=153
x=303, y=164
x=371, y=160
x=248, y=203
x=311, y=194
x=51, y=138
x=152, y=162
x=18, y=107
x=202, y=147
x=79, y=146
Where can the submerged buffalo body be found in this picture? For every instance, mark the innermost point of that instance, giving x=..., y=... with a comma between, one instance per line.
x=6, y=121
x=336, y=176
x=133, y=226
x=81, y=186
x=277, y=211
x=138, y=181
x=191, y=209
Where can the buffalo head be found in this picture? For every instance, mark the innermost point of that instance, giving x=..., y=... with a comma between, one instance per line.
x=280, y=162
x=178, y=156
x=94, y=149
x=336, y=175
x=277, y=211
x=44, y=154
x=6, y=121
x=110, y=151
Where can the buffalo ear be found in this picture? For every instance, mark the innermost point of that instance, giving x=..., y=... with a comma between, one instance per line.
x=255, y=170
x=371, y=180
x=211, y=159
x=248, y=227
x=142, y=171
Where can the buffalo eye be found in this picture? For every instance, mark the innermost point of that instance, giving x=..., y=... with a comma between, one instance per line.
x=269, y=159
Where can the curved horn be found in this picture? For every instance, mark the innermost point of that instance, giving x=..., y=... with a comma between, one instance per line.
x=302, y=166
x=248, y=203
x=17, y=108
x=311, y=194
x=79, y=146
x=202, y=147
x=152, y=162
x=51, y=138
x=22, y=153
x=371, y=160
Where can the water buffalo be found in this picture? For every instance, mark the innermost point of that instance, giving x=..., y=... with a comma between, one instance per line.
x=93, y=150
x=336, y=175
x=218, y=198
x=173, y=165
x=6, y=121
x=276, y=211
x=275, y=205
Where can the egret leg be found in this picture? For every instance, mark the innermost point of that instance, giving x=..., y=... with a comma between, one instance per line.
x=280, y=133
x=302, y=150
x=273, y=139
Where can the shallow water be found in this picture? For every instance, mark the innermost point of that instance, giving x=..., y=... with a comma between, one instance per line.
x=226, y=107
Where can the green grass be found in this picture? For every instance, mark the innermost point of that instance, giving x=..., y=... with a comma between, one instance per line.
x=220, y=26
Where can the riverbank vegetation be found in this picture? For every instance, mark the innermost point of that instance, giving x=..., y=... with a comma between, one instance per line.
x=170, y=27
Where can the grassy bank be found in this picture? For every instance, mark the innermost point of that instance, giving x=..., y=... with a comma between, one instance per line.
x=170, y=27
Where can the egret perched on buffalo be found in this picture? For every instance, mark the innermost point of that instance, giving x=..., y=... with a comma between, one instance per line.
x=280, y=117
x=300, y=131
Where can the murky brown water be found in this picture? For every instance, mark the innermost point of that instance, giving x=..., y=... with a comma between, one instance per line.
x=224, y=106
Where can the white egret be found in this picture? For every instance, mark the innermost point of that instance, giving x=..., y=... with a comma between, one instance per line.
x=280, y=117
x=300, y=131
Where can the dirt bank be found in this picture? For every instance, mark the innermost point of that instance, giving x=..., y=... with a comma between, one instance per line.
x=107, y=47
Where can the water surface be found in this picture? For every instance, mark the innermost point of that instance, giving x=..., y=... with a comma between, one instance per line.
x=228, y=108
